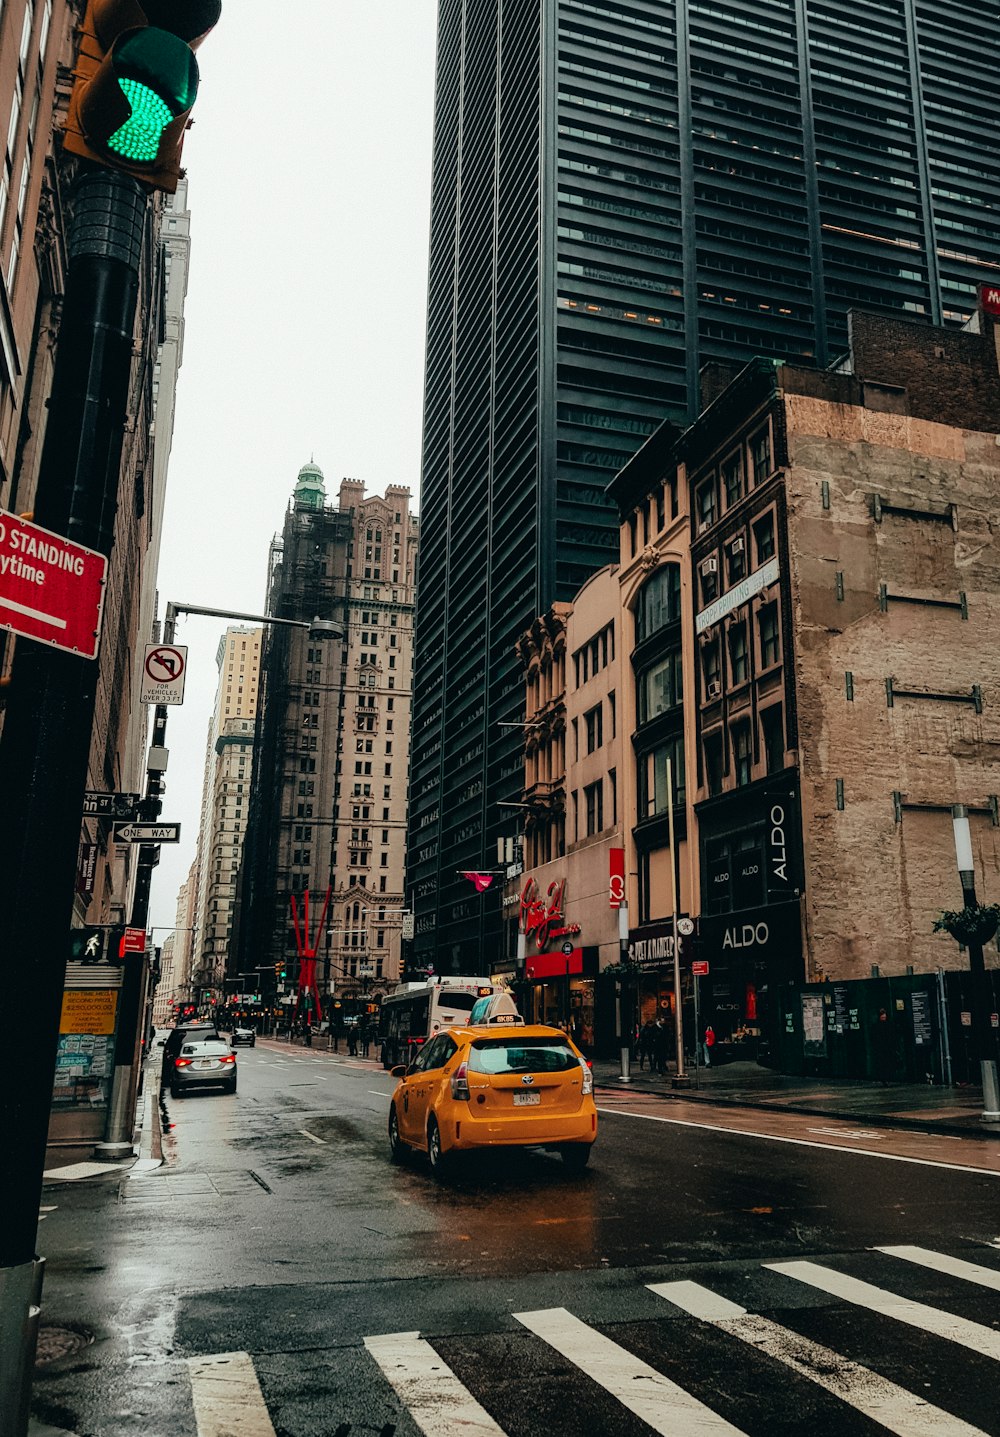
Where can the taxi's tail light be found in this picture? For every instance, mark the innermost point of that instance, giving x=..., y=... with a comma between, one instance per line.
x=588, y=1078
x=460, y=1082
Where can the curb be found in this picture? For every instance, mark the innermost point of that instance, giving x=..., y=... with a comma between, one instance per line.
x=874, y=1120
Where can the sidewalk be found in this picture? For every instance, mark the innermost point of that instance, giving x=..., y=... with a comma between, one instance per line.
x=952, y=1111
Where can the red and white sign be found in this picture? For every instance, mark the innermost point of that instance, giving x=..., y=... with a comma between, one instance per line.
x=700, y=969
x=542, y=918
x=51, y=590
x=163, y=671
x=989, y=298
x=616, y=877
x=134, y=941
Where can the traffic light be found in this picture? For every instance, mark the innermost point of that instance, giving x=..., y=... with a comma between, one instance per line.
x=135, y=83
x=86, y=945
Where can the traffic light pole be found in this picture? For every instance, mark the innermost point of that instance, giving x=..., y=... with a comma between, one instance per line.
x=47, y=733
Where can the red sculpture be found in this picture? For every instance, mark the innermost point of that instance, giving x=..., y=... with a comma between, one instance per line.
x=307, y=951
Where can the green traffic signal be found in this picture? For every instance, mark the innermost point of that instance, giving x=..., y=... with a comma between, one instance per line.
x=158, y=76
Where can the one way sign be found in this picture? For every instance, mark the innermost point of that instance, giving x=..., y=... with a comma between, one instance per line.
x=147, y=833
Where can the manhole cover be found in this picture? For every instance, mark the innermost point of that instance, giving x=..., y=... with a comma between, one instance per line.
x=56, y=1342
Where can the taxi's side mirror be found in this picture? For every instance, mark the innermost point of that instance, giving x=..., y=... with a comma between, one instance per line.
x=399, y=1071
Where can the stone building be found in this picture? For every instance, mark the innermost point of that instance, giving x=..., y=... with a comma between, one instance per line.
x=838, y=592
x=329, y=800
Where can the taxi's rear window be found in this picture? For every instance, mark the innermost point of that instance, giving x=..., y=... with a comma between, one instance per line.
x=508, y=1055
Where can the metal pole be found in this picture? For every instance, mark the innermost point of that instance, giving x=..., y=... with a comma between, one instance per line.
x=697, y=1030
x=47, y=733
x=977, y=966
x=943, y=1021
x=681, y=1080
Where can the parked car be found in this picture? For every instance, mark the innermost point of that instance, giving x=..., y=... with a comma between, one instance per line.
x=244, y=1038
x=176, y=1039
x=486, y=1087
x=203, y=1063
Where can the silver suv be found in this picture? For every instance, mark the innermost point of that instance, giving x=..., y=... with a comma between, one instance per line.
x=209, y=1062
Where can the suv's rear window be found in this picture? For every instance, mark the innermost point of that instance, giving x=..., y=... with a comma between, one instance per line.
x=534, y=1055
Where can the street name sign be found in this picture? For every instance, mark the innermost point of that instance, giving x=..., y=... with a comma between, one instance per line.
x=109, y=805
x=51, y=590
x=147, y=833
x=164, y=668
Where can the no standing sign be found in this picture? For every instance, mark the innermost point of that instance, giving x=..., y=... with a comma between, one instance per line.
x=51, y=590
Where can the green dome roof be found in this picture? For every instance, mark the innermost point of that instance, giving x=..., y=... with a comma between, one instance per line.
x=310, y=488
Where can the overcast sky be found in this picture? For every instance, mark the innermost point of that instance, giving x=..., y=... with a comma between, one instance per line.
x=309, y=190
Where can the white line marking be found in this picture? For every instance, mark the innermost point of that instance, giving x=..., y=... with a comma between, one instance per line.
x=892, y=1407
x=428, y=1389
x=227, y=1396
x=312, y=1136
x=852, y=1134
x=660, y=1403
x=801, y=1142
x=952, y=1266
x=915, y=1314
x=378, y=1094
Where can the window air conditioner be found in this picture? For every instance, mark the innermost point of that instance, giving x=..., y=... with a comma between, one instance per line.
x=711, y=565
x=714, y=689
x=738, y=544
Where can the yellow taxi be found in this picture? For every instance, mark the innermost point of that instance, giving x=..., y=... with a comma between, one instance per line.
x=497, y=1082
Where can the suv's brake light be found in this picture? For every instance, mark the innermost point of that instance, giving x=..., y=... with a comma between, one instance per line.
x=460, y=1082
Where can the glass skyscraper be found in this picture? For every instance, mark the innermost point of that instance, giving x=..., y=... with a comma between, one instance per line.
x=623, y=191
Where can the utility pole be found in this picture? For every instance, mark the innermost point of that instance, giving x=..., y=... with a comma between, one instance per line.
x=134, y=86
x=47, y=732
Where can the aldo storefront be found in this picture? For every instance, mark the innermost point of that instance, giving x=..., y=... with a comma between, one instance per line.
x=750, y=931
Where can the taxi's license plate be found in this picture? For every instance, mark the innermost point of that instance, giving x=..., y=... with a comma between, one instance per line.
x=527, y=1100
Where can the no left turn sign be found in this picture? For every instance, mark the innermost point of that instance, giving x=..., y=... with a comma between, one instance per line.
x=163, y=671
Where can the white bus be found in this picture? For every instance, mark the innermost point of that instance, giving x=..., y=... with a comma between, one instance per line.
x=418, y=1011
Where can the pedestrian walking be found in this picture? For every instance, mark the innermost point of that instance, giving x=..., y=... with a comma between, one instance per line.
x=661, y=1039
x=647, y=1044
x=883, y=1049
x=708, y=1045
x=352, y=1041
x=366, y=1039
x=308, y=1034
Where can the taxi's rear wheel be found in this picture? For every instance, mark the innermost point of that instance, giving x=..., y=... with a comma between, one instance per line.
x=397, y=1148
x=436, y=1155
x=576, y=1156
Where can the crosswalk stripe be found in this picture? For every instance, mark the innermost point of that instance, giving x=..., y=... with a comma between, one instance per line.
x=951, y=1266
x=660, y=1403
x=883, y=1401
x=429, y=1390
x=227, y=1396
x=916, y=1314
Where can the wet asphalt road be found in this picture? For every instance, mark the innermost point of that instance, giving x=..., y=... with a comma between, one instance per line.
x=278, y=1229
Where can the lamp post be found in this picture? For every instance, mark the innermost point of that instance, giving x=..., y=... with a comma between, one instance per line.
x=977, y=967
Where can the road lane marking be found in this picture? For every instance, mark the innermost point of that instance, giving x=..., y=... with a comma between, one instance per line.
x=951, y=1266
x=858, y=1133
x=312, y=1136
x=428, y=1389
x=883, y=1401
x=660, y=1403
x=801, y=1142
x=377, y=1093
x=876, y=1299
x=227, y=1396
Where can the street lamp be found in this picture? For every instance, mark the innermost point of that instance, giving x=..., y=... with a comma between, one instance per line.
x=977, y=966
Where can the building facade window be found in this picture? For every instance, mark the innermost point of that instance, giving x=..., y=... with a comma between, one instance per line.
x=593, y=796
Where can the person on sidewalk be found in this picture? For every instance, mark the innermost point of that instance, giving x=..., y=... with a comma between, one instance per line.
x=366, y=1038
x=647, y=1044
x=708, y=1045
x=661, y=1042
x=883, y=1049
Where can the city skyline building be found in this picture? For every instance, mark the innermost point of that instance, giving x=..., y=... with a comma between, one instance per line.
x=328, y=805
x=225, y=802
x=622, y=192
